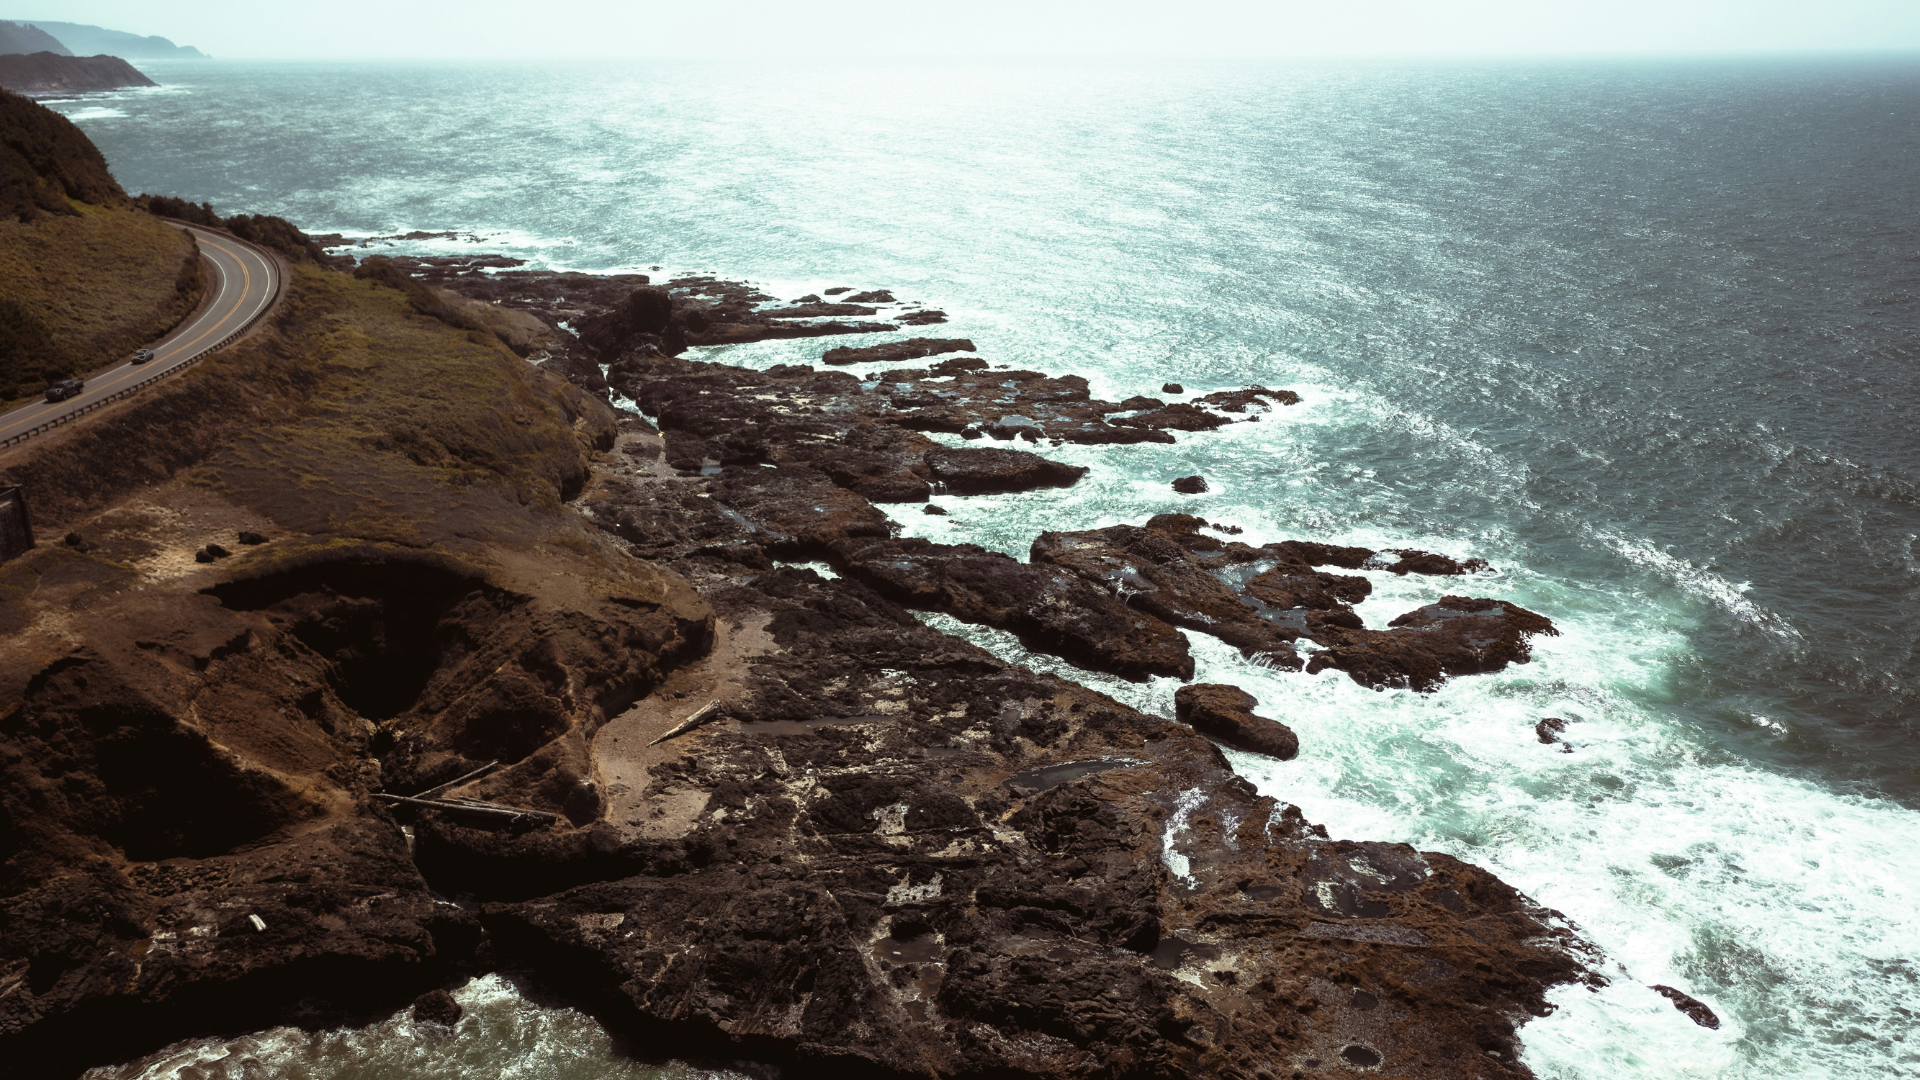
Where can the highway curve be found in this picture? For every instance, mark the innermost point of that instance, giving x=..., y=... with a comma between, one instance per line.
x=247, y=283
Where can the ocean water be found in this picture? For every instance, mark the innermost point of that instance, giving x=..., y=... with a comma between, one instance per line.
x=1644, y=335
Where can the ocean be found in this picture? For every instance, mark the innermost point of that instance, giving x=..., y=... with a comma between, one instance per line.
x=1645, y=335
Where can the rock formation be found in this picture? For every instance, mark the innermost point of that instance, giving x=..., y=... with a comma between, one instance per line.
x=1225, y=713
x=510, y=646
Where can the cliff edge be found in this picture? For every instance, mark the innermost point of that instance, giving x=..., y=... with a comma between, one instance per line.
x=48, y=73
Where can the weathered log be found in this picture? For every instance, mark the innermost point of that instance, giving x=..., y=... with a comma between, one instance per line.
x=456, y=782
x=474, y=806
x=700, y=716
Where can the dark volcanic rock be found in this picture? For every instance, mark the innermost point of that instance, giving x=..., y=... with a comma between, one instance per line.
x=1191, y=485
x=910, y=349
x=1226, y=713
x=1549, y=730
x=818, y=311
x=437, y=1007
x=1173, y=388
x=1411, y=561
x=796, y=510
x=1054, y=611
x=1238, y=401
x=877, y=296
x=971, y=471
x=1457, y=636
x=1171, y=571
x=1298, y=585
x=964, y=875
x=1178, y=416
x=1259, y=599
x=934, y=509
x=204, y=761
x=922, y=318
x=1696, y=1010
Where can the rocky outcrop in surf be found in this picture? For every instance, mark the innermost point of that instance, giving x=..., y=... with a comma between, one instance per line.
x=506, y=644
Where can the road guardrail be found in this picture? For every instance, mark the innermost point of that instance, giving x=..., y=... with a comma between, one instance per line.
x=279, y=286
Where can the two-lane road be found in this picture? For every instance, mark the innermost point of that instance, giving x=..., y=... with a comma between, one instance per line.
x=247, y=281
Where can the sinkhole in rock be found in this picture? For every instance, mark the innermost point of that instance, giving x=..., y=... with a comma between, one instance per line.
x=378, y=623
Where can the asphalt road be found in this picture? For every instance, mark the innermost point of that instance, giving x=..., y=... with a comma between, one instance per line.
x=247, y=282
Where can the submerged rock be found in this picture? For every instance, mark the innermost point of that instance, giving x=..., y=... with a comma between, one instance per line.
x=437, y=1007
x=1696, y=1010
x=1191, y=485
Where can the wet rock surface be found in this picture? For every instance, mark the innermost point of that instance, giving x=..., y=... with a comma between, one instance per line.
x=437, y=1007
x=990, y=470
x=910, y=349
x=1191, y=485
x=1050, y=609
x=1696, y=1010
x=884, y=850
x=1460, y=635
x=1226, y=713
x=1262, y=599
x=845, y=874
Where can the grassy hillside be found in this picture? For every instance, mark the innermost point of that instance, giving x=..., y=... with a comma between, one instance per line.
x=77, y=292
x=84, y=276
x=356, y=416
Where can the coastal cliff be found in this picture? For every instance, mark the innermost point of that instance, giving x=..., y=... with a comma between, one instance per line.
x=49, y=73
x=400, y=543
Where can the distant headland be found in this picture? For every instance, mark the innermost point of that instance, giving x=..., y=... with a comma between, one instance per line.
x=68, y=58
x=76, y=39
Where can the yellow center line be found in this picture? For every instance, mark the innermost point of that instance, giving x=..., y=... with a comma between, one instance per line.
x=246, y=285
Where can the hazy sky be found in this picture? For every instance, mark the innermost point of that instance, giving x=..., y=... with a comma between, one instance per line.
x=561, y=28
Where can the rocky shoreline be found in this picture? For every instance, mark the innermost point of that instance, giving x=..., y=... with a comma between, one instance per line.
x=883, y=851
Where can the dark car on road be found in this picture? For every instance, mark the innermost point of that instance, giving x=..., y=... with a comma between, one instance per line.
x=65, y=389
x=141, y=356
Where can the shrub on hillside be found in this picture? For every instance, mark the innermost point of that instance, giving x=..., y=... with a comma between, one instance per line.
x=30, y=356
x=167, y=206
x=264, y=229
x=279, y=234
x=45, y=160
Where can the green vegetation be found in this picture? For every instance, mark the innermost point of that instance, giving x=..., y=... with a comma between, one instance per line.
x=84, y=277
x=84, y=289
x=356, y=417
x=45, y=161
x=263, y=229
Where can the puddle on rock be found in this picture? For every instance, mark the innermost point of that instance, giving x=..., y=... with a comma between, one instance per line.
x=914, y=950
x=1172, y=952
x=1033, y=781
